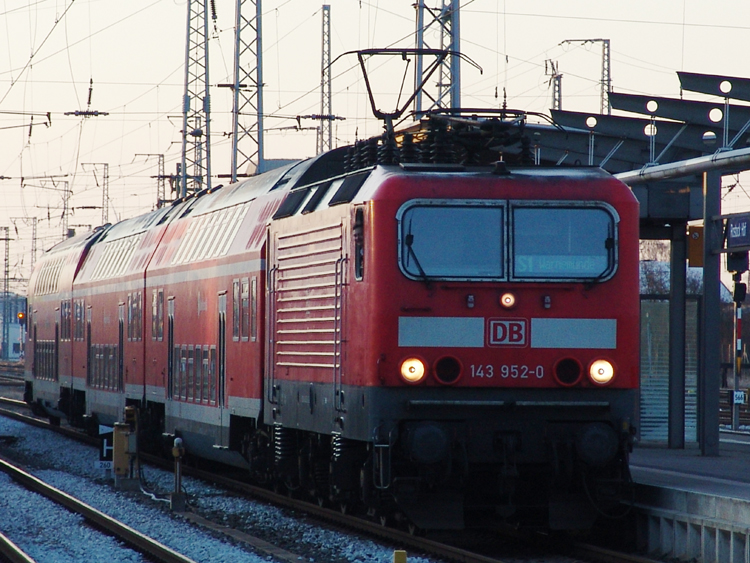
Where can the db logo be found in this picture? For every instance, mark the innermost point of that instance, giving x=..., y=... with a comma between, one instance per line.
x=507, y=332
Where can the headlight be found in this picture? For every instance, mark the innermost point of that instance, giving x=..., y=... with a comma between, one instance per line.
x=413, y=370
x=601, y=372
x=508, y=300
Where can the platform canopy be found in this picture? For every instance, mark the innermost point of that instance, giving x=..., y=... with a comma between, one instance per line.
x=671, y=151
x=658, y=131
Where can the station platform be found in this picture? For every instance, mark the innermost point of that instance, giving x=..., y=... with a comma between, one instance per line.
x=691, y=507
x=687, y=469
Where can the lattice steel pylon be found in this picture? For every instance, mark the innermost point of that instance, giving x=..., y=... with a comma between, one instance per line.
x=105, y=187
x=325, y=130
x=606, y=80
x=6, y=295
x=33, y=222
x=66, y=210
x=247, y=91
x=161, y=178
x=550, y=69
x=195, y=170
x=446, y=19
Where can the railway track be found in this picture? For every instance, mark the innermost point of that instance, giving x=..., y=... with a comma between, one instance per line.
x=147, y=546
x=11, y=368
x=401, y=538
x=11, y=375
x=11, y=552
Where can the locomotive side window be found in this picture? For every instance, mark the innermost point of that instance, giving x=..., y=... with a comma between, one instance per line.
x=562, y=242
x=359, y=244
x=452, y=240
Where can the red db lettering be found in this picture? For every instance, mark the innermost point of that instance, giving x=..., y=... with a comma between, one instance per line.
x=507, y=332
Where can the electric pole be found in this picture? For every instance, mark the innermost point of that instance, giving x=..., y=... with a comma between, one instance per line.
x=446, y=20
x=161, y=179
x=606, y=80
x=33, y=222
x=6, y=300
x=247, y=91
x=66, y=210
x=325, y=134
x=195, y=172
x=105, y=187
x=555, y=80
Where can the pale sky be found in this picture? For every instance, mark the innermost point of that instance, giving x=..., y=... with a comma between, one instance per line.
x=134, y=52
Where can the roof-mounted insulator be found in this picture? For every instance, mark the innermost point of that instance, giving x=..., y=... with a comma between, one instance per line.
x=501, y=168
x=409, y=149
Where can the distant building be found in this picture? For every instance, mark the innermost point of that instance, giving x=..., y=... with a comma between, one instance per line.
x=13, y=349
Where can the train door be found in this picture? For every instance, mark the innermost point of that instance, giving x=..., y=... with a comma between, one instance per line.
x=221, y=362
x=89, y=354
x=271, y=307
x=171, y=352
x=35, y=361
x=120, y=345
x=56, y=353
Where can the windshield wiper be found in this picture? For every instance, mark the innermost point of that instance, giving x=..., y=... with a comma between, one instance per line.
x=409, y=241
x=609, y=244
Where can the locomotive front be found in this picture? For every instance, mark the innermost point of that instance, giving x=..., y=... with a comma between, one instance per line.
x=499, y=314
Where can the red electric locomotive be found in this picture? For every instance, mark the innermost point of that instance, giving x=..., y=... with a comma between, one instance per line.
x=409, y=327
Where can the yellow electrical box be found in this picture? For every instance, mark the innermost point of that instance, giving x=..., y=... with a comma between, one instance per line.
x=120, y=454
x=695, y=246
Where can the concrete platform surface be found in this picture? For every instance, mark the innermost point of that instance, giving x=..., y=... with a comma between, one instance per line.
x=726, y=475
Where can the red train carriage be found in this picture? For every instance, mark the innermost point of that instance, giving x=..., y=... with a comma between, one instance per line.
x=447, y=344
x=49, y=357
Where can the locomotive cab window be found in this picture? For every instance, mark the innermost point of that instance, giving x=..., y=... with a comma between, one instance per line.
x=491, y=240
x=450, y=239
x=562, y=242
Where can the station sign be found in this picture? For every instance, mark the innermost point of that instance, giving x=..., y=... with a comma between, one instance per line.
x=738, y=231
x=106, y=447
x=739, y=398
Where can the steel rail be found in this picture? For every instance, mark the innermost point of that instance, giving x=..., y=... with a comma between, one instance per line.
x=14, y=402
x=605, y=555
x=132, y=537
x=13, y=553
x=400, y=538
